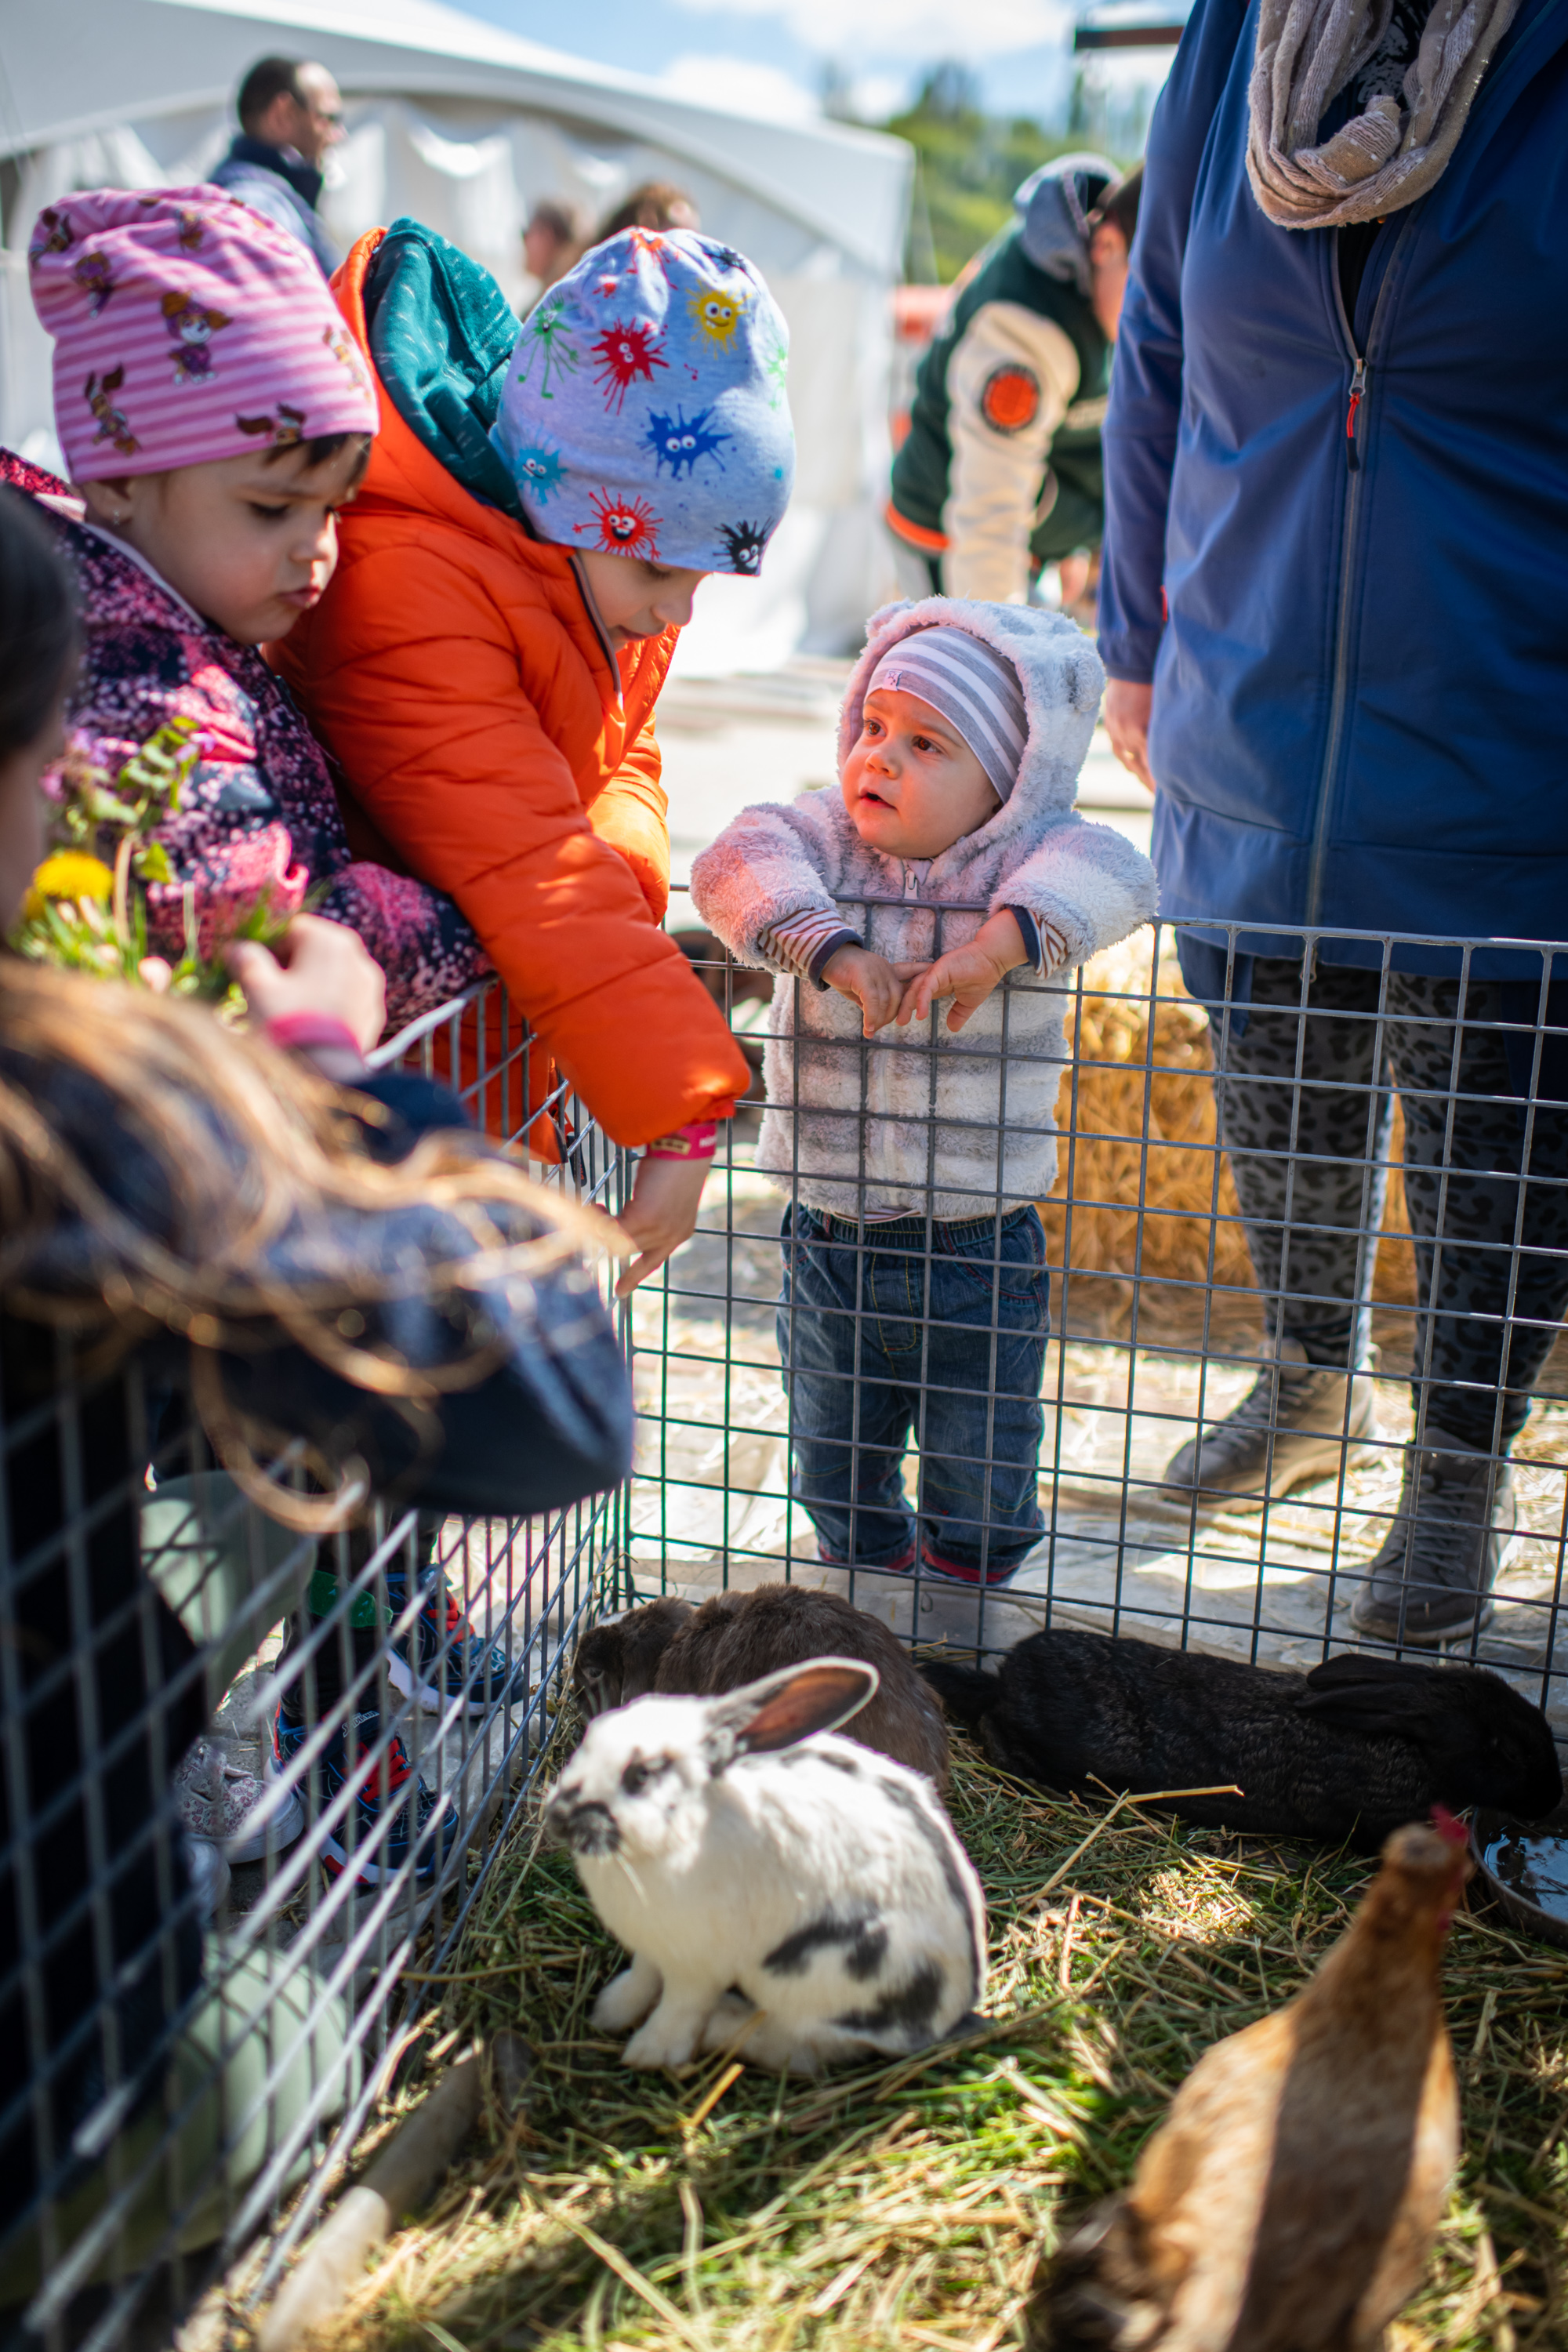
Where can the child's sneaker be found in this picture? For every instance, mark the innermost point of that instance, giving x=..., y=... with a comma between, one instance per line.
x=437, y=1661
x=394, y=1818
x=441, y=1658
x=900, y=1567
x=958, y=1571
x=232, y=1809
x=209, y=1874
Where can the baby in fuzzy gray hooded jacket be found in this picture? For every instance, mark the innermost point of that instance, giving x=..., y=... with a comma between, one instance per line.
x=949, y=869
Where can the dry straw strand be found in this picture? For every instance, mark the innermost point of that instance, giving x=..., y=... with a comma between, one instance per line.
x=831, y=2221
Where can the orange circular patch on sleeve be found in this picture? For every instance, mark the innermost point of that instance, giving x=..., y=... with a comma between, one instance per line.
x=1011, y=398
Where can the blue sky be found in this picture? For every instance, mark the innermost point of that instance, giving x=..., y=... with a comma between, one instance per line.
x=768, y=55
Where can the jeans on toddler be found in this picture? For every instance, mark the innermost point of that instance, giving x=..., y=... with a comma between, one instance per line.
x=884, y=1333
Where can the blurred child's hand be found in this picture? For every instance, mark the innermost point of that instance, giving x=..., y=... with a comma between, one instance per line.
x=968, y=974
x=876, y=985
x=659, y=1216
x=317, y=967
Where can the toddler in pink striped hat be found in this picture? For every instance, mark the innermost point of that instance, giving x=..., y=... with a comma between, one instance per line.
x=214, y=414
x=912, y=1150
x=213, y=410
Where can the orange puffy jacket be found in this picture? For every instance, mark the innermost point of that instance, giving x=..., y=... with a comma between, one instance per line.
x=456, y=673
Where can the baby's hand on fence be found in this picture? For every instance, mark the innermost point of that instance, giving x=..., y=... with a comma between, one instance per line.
x=963, y=974
x=967, y=975
x=875, y=985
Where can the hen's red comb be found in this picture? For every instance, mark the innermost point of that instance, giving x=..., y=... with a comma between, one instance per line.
x=1446, y=1827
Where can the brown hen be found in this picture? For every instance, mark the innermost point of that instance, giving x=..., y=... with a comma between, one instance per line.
x=1288, y=2202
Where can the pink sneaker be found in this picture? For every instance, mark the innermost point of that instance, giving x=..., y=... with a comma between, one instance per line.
x=229, y=1808
x=900, y=1567
x=957, y=1573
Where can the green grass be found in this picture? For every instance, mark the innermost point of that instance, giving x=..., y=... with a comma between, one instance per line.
x=910, y=2202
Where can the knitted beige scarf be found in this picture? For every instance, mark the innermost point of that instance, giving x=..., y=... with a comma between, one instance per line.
x=1307, y=51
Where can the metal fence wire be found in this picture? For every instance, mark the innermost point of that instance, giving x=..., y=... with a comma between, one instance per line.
x=1271, y=1366
x=370, y=1750
x=1287, y=1314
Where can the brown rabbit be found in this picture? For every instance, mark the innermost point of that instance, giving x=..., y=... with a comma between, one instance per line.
x=618, y=1659
x=737, y=1637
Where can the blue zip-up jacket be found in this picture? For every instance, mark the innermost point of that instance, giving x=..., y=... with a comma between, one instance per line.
x=1360, y=692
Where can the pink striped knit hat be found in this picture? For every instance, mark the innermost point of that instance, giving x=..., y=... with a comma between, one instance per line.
x=187, y=328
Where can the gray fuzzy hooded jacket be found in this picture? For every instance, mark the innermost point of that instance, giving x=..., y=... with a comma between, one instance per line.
x=860, y=1125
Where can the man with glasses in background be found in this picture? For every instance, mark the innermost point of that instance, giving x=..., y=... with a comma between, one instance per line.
x=291, y=113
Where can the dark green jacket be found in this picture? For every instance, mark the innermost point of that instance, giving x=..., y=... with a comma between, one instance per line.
x=1068, y=497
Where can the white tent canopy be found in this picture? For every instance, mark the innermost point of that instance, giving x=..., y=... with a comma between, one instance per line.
x=466, y=127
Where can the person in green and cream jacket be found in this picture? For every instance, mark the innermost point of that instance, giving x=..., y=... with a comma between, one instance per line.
x=1001, y=471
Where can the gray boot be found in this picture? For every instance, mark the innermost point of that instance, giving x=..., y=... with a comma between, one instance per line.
x=1431, y=1579
x=1295, y=1423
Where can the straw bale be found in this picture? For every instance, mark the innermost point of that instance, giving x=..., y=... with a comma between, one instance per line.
x=1188, y=1199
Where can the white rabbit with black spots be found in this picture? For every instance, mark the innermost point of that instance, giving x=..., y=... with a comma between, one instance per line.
x=749, y=1861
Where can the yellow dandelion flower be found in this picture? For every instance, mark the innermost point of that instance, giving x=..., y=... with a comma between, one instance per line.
x=717, y=315
x=68, y=874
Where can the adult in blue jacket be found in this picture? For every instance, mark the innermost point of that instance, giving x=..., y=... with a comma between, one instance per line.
x=1332, y=612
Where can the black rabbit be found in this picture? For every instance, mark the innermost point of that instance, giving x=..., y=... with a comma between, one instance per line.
x=1349, y=1751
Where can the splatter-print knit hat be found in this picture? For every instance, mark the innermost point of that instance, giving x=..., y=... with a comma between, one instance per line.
x=187, y=328
x=645, y=412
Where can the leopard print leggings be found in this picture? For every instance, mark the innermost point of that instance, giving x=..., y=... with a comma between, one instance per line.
x=1305, y=1111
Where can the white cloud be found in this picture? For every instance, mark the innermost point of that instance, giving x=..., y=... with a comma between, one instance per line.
x=741, y=85
x=1122, y=74
x=875, y=96
x=908, y=28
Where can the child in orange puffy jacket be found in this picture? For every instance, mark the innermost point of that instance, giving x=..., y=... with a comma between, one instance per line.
x=538, y=512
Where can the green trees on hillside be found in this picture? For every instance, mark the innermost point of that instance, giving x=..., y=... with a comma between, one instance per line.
x=969, y=164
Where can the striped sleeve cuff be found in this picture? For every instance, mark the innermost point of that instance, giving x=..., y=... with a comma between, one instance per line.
x=1031, y=933
x=1043, y=943
x=804, y=943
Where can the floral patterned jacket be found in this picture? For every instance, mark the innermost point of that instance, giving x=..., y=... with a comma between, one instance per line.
x=259, y=812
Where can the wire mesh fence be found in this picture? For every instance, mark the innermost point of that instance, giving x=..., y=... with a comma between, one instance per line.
x=1283, y=1324
x=212, y=1949
x=1207, y=1294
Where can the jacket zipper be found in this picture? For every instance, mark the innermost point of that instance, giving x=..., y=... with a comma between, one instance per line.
x=1360, y=362
x=1358, y=393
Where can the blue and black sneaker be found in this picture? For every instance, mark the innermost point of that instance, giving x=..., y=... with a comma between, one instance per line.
x=396, y=1821
x=440, y=1659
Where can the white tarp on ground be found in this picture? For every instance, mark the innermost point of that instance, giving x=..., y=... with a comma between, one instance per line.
x=466, y=127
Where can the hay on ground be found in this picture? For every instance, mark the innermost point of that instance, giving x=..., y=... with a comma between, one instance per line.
x=911, y=2203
